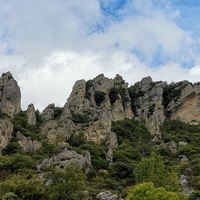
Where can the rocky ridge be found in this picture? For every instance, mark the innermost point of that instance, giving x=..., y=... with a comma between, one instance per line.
x=94, y=104
x=90, y=110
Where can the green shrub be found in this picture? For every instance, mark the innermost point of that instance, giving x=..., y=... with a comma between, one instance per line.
x=89, y=84
x=78, y=118
x=57, y=112
x=99, y=97
x=113, y=95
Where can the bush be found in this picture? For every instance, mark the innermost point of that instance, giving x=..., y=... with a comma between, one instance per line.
x=113, y=95
x=78, y=118
x=99, y=97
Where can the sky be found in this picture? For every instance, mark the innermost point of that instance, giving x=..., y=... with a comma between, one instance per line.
x=50, y=44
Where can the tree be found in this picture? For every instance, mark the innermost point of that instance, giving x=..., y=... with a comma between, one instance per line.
x=195, y=195
x=67, y=184
x=153, y=170
x=147, y=191
x=21, y=187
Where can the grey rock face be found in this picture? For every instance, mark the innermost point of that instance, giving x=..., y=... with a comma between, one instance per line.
x=93, y=120
x=186, y=107
x=182, y=143
x=31, y=116
x=10, y=95
x=27, y=143
x=172, y=146
x=48, y=112
x=6, y=129
x=107, y=195
x=149, y=104
x=183, y=180
x=183, y=158
x=65, y=158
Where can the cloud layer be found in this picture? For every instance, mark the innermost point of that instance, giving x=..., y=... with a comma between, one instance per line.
x=48, y=45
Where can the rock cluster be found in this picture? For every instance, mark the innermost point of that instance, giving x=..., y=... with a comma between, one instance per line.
x=65, y=158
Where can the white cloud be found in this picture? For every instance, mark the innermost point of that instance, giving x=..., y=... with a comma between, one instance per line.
x=55, y=43
x=53, y=82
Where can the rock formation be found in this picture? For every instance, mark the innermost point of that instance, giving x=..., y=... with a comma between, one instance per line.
x=65, y=158
x=6, y=129
x=10, y=95
x=31, y=115
x=27, y=143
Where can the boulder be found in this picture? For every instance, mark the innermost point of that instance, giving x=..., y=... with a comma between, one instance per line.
x=107, y=195
x=67, y=157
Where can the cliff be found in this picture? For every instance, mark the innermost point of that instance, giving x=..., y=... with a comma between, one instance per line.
x=104, y=124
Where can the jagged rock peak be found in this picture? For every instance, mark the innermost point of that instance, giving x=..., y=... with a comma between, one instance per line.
x=10, y=95
x=31, y=116
x=48, y=112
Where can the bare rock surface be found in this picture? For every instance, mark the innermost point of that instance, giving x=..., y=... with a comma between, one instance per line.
x=107, y=195
x=65, y=158
x=27, y=143
x=10, y=95
x=6, y=129
x=31, y=116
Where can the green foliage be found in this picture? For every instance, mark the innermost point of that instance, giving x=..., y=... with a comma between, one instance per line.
x=68, y=184
x=78, y=118
x=20, y=124
x=113, y=95
x=77, y=140
x=170, y=92
x=147, y=191
x=46, y=151
x=89, y=84
x=134, y=94
x=134, y=131
x=16, y=163
x=179, y=131
x=11, y=148
x=151, y=110
x=57, y=112
x=98, y=154
x=195, y=195
x=122, y=172
x=153, y=170
x=134, y=143
x=10, y=196
x=22, y=187
x=99, y=97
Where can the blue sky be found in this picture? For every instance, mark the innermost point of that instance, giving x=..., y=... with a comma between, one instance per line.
x=49, y=44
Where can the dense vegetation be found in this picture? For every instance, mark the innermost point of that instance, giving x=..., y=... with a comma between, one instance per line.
x=141, y=168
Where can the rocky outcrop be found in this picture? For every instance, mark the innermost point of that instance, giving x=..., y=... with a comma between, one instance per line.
x=186, y=107
x=57, y=132
x=31, y=116
x=184, y=183
x=93, y=105
x=27, y=143
x=148, y=103
x=48, y=112
x=107, y=195
x=65, y=158
x=6, y=129
x=10, y=95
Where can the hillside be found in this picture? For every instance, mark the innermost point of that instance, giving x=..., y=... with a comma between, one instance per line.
x=107, y=138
